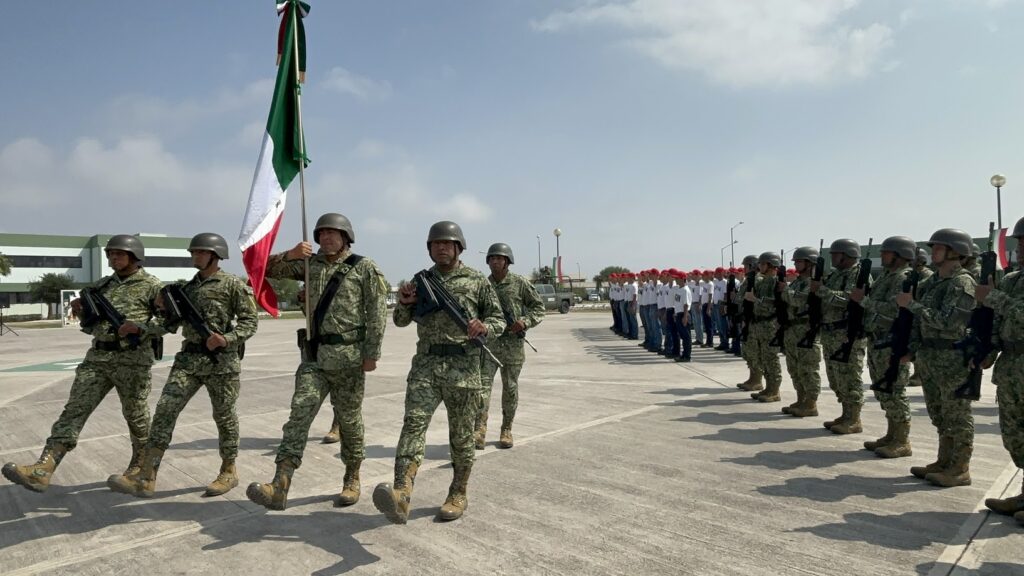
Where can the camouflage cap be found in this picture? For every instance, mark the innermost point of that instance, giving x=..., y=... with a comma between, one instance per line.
x=209, y=241
x=127, y=243
x=901, y=246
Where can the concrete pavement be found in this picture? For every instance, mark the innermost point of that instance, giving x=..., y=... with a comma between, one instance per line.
x=625, y=463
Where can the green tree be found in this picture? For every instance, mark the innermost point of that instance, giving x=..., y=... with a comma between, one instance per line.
x=605, y=272
x=287, y=291
x=5, y=265
x=47, y=289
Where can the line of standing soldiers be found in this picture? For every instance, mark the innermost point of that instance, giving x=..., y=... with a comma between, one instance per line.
x=907, y=315
x=128, y=312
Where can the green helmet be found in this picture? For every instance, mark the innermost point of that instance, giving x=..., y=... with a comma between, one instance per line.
x=845, y=246
x=446, y=230
x=334, y=221
x=500, y=249
x=1018, y=229
x=770, y=258
x=209, y=241
x=128, y=243
x=808, y=253
x=922, y=256
x=975, y=249
x=958, y=240
x=901, y=246
x=750, y=260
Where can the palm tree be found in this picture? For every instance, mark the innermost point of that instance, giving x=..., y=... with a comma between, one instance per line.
x=5, y=265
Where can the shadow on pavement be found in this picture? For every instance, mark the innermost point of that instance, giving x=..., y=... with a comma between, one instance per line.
x=846, y=486
x=761, y=435
x=724, y=418
x=986, y=569
x=907, y=531
x=817, y=459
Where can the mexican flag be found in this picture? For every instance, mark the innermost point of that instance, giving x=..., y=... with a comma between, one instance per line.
x=280, y=154
x=998, y=240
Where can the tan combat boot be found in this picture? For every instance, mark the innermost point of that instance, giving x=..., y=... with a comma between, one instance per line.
x=274, y=496
x=941, y=461
x=1009, y=506
x=753, y=382
x=852, y=425
x=394, y=502
x=350, y=488
x=808, y=408
x=843, y=418
x=884, y=440
x=505, y=440
x=958, y=473
x=770, y=393
x=480, y=433
x=143, y=484
x=226, y=479
x=899, y=447
x=800, y=397
x=457, y=500
x=334, y=436
x=135, y=464
x=36, y=477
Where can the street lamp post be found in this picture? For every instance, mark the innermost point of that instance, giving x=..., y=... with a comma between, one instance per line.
x=538, y=255
x=732, y=251
x=998, y=181
x=558, y=258
x=578, y=273
x=721, y=253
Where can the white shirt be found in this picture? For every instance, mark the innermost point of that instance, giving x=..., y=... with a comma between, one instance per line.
x=682, y=298
x=707, y=291
x=615, y=293
x=719, y=294
x=629, y=292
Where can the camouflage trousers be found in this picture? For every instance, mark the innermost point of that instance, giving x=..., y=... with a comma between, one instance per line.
x=895, y=404
x=942, y=371
x=93, y=380
x=844, y=378
x=1008, y=375
x=181, y=386
x=746, y=353
x=454, y=380
x=803, y=364
x=763, y=358
x=312, y=385
x=509, y=387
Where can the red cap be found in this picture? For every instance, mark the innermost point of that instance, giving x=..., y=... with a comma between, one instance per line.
x=695, y=272
x=719, y=270
x=791, y=272
x=681, y=275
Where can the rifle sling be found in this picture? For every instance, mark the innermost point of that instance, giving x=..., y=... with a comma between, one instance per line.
x=330, y=290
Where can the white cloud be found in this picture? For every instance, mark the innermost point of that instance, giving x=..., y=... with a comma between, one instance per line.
x=343, y=81
x=738, y=42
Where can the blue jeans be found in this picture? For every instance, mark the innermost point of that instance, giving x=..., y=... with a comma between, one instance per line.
x=723, y=325
x=671, y=333
x=684, y=335
x=631, y=327
x=696, y=323
x=655, y=326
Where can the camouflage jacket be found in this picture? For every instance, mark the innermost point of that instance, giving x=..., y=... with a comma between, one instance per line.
x=944, y=310
x=477, y=297
x=1008, y=302
x=880, y=307
x=796, y=296
x=228, y=308
x=764, y=294
x=835, y=292
x=517, y=296
x=135, y=298
x=358, y=312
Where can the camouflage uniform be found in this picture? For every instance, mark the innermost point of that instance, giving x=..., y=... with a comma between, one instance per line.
x=941, y=316
x=228, y=308
x=520, y=299
x=803, y=364
x=754, y=378
x=1008, y=375
x=844, y=378
x=763, y=358
x=924, y=273
x=124, y=369
x=446, y=369
x=354, y=324
x=880, y=311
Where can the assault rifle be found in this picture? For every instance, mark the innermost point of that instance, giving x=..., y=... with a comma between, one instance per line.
x=748, y=307
x=781, y=307
x=510, y=319
x=432, y=296
x=854, y=314
x=978, y=342
x=814, y=312
x=899, y=339
x=730, y=306
x=96, y=307
x=178, y=306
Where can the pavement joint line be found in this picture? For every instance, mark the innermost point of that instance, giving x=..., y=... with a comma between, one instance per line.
x=969, y=540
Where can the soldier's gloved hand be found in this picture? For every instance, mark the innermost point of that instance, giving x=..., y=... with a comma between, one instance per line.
x=476, y=328
x=517, y=327
x=128, y=328
x=369, y=364
x=903, y=299
x=215, y=341
x=300, y=251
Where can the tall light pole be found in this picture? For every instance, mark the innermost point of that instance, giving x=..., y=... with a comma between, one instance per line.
x=558, y=258
x=998, y=181
x=721, y=253
x=578, y=273
x=538, y=255
x=732, y=251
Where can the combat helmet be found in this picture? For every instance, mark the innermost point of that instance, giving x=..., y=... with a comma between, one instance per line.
x=209, y=241
x=922, y=256
x=808, y=253
x=770, y=258
x=334, y=221
x=1018, y=229
x=958, y=240
x=446, y=230
x=500, y=249
x=127, y=243
x=845, y=246
x=749, y=260
x=901, y=246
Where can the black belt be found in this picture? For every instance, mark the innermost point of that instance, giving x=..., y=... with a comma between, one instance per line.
x=114, y=346
x=937, y=343
x=837, y=325
x=446, y=350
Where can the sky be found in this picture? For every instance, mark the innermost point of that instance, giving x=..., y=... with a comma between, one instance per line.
x=644, y=129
